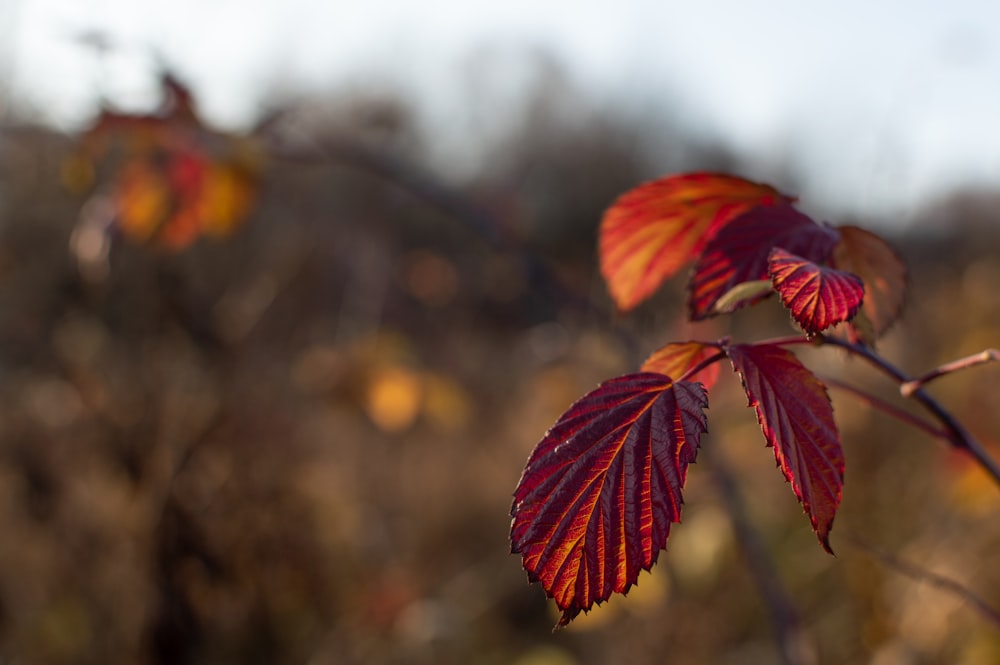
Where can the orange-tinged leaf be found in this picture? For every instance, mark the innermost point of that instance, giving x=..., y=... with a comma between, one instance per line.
x=880, y=268
x=225, y=200
x=652, y=231
x=817, y=296
x=142, y=197
x=796, y=416
x=677, y=358
x=595, y=502
x=739, y=252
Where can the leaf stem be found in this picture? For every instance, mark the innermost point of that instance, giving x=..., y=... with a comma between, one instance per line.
x=907, y=388
x=790, y=340
x=955, y=433
x=701, y=365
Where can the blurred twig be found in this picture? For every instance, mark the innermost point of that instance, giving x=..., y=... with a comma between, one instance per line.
x=886, y=407
x=794, y=644
x=920, y=574
x=431, y=191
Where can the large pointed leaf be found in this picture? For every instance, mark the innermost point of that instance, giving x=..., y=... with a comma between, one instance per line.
x=817, y=296
x=652, y=231
x=880, y=268
x=739, y=252
x=796, y=416
x=597, y=497
x=677, y=358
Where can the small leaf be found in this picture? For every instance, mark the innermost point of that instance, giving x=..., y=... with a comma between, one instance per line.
x=796, y=416
x=737, y=296
x=676, y=358
x=739, y=252
x=595, y=502
x=881, y=269
x=818, y=297
x=652, y=231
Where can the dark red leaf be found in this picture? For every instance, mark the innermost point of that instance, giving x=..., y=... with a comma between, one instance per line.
x=880, y=268
x=739, y=254
x=596, y=499
x=652, y=231
x=817, y=296
x=796, y=416
x=676, y=358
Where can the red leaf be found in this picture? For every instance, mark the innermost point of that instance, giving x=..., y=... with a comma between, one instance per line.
x=676, y=358
x=596, y=499
x=818, y=297
x=796, y=416
x=880, y=268
x=739, y=252
x=652, y=231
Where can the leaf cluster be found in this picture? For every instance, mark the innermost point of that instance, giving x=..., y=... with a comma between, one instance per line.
x=596, y=500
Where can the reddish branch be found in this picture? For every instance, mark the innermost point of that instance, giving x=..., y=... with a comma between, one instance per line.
x=989, y=355
x=887, y=408
x=954, y=432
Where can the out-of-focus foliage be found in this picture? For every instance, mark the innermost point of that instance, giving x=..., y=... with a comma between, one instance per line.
x=297, y=445
x=169, y=178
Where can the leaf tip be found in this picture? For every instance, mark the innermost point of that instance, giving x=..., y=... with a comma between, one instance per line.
x=824, y=540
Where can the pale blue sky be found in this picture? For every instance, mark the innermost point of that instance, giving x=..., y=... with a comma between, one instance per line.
x=882, y=104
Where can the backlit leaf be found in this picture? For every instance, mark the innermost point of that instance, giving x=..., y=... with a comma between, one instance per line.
x=676, y=358
x=652, y=231
x=595, y=502
x=881, y=269
x=738, y=254
x=796, y=416
x=817, y=296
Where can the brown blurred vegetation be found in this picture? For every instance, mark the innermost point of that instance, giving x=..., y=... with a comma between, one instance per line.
x=298, y=444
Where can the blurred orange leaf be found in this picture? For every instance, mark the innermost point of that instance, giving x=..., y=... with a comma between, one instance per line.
x=653, y=230
x=881, y=269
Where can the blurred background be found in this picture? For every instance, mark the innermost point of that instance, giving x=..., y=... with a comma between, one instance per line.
x=288, y=294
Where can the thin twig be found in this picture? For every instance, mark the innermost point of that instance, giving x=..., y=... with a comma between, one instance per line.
x=886, y=407
x=958, y=436
x=920, y=574
x=794, y=643
x=989, y=355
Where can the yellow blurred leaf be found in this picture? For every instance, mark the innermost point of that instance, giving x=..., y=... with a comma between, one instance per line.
x=393, y=398
x=142, y=199
x=224, y=200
